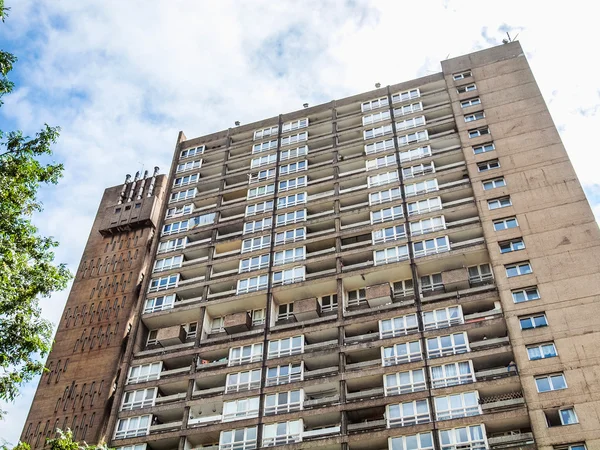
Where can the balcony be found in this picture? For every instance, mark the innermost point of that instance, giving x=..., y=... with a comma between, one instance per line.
x=511, y=440
x=500, y=402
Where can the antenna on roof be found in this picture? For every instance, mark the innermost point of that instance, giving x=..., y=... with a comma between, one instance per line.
x=377, y=85
x=305, y=105
x=506, y=41
x=237, y=123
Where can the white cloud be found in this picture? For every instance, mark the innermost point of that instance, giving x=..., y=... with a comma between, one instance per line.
x=121, y=78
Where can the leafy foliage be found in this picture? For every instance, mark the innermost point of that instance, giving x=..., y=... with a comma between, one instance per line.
x=64, y=441
x=27, y=269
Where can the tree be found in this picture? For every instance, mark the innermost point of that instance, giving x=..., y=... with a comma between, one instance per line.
x=27, y=269
x=64, y=441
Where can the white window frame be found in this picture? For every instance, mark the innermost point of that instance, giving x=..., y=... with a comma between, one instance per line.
x=186, y=180
x=381, y=162
x=290, y=217
x=376, y=132
x=294, y=138
x=254, y=263
x=294, y=125
x=472, y=432
x=403, y=288
x=480, y=273
x=356, y=297
x=256, y=243
x=525, y=294
x=398, y=326
x=292, y=183
x=539, y=348
x=389, y=234
x=263, y=175
x=407, y=355
x=491, y=164
x=189, y=152
x=424, y=206
x=290, y=405
x=422, y=187
x=430, y=225
x=404, y=420
x=406, y=95
x=408, y=109
x=456, y=375
x=255, y=354
x=258, y=225
x=298, y=234
x=418, y=170
x=419, y=438
x=484, y=148
x=163, y=283
x=497, y=203
x=376, y=117
x=243, y=408
x=474, y=116
x=261, y=191
x=514, y=245
x=294, y=167
x=493, y=183
x=387, y=214
x=431, y=246
x=183, y=195
x=505, y=221
x=289, y=255
x=431, y=282
x=245, y=444
x=374, y=104
x=295, y=372
x=550, y=378
x=390, y=255
x=379, y=146
x=470, y=102
x=478, y=132
x=415, y=153
x=263, y=160
x=462, y=75
x=130, y=427
x=466, y=88
x=328, y=302
x=288, y=276
x=293, y=433
x=399, y=388
x=518, y=269
x=264, y=146
x=161, y=303
x=175, y=227
x=388, y=195
x=383, y=178
x=532, y=318
x=467, y=407
x=293, y=345
x=292, y=200
x=266, y=132
x=189, y=165
x=252, y=284
x=413, y=122
x=454, y=349
x=144, y=372
x=443, y=317
x=292, y=153
x=171, y=262
x=138, y=399
x=259, y=208
x=178, y=211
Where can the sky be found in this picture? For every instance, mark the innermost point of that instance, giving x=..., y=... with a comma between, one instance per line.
x=121, y=78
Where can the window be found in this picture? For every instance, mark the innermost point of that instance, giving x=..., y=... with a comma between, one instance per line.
x=264, y=146
x=288, y=236
x=478, y=132
x=260, y=191
x=282, y=433
x=553, y=382
x=132, y=427
x=266, y=132
x=479, y=149
x=291, y=217
x=408, y=109
x=283, y=402
x=406, y=95
x=183, y=167
x=259, y=208
x=452, y=374
x=288, y=276
x=245, y=354
x=291, y=200
x=480, y=273
x=182, y=195
x=152, y=338
x=421, y=441
x=377, y=117
x=240, y=409
x=240, y=439
x=422, y=187
x=493, y=184
x=289, y=256
x=541, y=351
x=452, y=344
x=192, y=152
x=294, y=138
x=374, y=104
x=403, y=288
x=377, y=132
x=285, y=311
x=391, y=255
x=286, y=347
x=386, y=214
x=159, y=303
x=498, y=203
x=175, y=227
x=522, y=268
x=258, y=225
x=293, y=183
x=257, y=243
x=138, y=399
x=408, y=413
x=474, y=116
x=568, y=416
x=431, y=246
x=263, y=161
x=293, y=153
x=410, y=123
x=470, y=102
x=461, y=75
x=404, y=382
x=466, y=88
x=418, y=170
x=433, y=282
x=163, y=283
x=145, y=372
x=389, y=234
x=254, y=263
x=379, y=146
x=401, y=353
x=258, y=316
x=376, y=198
x=535, y=321
x=427, y=226
x=262, y=175
x=328, y=303
x=168, y=263
x=471, y=438
x=424, y=206
x=285, y=374
x=382, y=178
x=458, y=405
x=505, y=224
x=413, y=138
x=184, y=181
x=357, y=297
x=382, y=161
x=398, y=326
x=179, y=211
x=190, y=329
x=415, y=153
x=293, y=167
x=252, y=284
x=572, y=447
x=442, y=318
x=217, y=325
x=173, y=244
x=511, y=246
